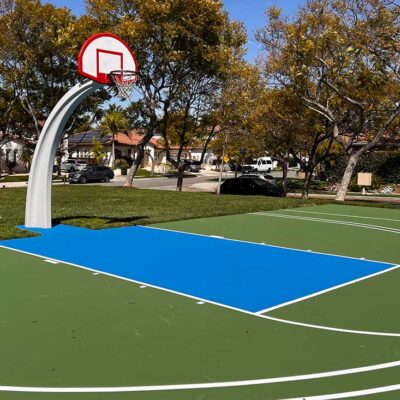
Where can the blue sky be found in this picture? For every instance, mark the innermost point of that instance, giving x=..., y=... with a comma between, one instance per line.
x=251, y=12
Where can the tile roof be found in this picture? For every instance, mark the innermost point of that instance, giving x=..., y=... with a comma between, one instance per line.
x=131, y=138
x=86, y=138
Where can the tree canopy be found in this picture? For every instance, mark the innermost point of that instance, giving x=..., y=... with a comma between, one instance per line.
x=340, y=58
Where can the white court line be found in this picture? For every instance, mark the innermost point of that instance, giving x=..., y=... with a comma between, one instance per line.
x=332, y=221
x=143, y=285
x=262, y=244
x=327, y=290
x=198, y=385
x=328, y=328
x=346, y=395
x=342, y=215
x=51, y=261
x=209, y=385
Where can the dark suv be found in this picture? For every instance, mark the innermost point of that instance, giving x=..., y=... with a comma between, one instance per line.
x=92, y=174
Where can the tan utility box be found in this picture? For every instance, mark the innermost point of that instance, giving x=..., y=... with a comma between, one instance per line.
x=364, y=179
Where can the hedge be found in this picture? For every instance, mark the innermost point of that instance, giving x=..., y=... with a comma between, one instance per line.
x=383, y=164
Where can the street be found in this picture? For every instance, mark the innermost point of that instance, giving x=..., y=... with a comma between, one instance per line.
x=207, y=181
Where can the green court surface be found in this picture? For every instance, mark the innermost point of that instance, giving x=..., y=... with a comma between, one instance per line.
x=352, y=231
x=65, y=327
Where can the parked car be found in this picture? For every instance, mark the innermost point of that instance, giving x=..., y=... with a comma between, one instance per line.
x=92, y=174
x=192, y=165
x=261, y=164
x=249, y=185
x=266, y=177
x=72, y=165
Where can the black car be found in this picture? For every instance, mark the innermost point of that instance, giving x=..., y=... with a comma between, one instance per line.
x=91, y=174
x=266, y=177
x=249, y=185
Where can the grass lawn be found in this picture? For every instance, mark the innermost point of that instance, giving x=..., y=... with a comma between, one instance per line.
x=143, y=173
x=101, y=207
x=22, y=178
x=14, y=178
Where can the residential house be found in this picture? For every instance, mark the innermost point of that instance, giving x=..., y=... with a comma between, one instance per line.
x=10, y=154
x=80, y=147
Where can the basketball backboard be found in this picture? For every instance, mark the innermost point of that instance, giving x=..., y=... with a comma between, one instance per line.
x=103, y=53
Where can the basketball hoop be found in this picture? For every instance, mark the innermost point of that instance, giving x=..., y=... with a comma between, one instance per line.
x=124, y=81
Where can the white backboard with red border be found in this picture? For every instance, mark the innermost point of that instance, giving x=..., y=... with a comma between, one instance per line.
x=103, y=53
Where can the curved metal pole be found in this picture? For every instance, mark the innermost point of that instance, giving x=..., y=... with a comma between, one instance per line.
x=38, y=200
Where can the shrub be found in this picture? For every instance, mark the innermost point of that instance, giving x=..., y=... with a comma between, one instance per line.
x=382, y=164
x=376, y=184
x=121, y=163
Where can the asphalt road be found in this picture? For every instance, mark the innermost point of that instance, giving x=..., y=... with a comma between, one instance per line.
x=169, y=183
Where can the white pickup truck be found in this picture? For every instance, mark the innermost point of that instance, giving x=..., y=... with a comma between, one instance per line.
x=261, y=164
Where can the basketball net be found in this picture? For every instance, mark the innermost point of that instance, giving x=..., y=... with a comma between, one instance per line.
x=124, y=82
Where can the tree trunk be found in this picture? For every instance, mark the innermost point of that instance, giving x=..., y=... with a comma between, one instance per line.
x=153, y=162
x=236, y=170
x=348, y=173
x=113, y=152
x=306, y=186
x=285, y=166
x=179, y=183
x=138, y=159
x=59, y=162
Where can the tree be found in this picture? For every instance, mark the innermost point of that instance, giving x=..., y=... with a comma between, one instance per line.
x=179, y=132
x=287, y=129
x=98, y=153
x=25, y=156
x=373, y=30
x=277, y=121
x=239, y=95
x=172, y=40
x=190, y=111
x=39, y=44
x=326, y=55
x=114, y=121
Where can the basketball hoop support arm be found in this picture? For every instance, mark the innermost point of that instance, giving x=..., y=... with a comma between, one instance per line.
x=38, y=200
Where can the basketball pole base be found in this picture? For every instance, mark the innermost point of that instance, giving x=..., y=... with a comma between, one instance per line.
x=38, y=199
